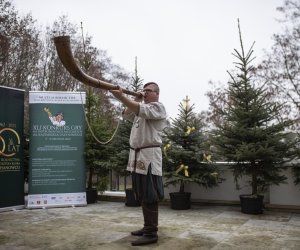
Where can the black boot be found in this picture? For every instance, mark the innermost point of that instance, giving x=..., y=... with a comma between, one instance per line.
x=145, y=240
x=139, y=232
x=150, y=212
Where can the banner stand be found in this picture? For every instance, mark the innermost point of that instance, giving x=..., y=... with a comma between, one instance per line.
x=11, y=149
x=57, y=139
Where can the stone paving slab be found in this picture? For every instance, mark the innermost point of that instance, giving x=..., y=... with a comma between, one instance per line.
x=107, y=225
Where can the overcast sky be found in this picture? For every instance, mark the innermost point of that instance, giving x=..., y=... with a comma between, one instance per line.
x=180, y=44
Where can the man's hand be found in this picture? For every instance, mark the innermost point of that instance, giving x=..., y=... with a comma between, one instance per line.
x=132, y=105
x=118, y=93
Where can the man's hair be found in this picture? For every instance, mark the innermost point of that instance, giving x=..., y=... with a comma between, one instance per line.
x=153, y=83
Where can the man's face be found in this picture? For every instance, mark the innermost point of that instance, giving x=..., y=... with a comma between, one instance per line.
x=150, y=93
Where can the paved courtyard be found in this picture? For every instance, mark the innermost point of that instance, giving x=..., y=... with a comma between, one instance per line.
x=107, y=225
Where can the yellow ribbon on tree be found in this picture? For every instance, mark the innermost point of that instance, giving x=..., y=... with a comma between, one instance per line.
x=184, y=168
x=207, y=157
x=189, y=130
x=166, y=147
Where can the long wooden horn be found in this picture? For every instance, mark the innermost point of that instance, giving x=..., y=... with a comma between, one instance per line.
x=63, y=48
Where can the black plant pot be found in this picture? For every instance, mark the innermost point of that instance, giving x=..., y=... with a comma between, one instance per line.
x=91, y=195
x=131, y=201
x=252, y=204
x=180, y=200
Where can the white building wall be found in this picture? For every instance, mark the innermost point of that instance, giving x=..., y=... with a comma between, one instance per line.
x=284, y=194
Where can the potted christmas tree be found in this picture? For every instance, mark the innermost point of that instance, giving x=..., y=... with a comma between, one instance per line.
x=250, y=133
x=184, y=156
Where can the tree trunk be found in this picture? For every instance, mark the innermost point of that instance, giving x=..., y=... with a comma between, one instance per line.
x=90, y=180
x=254, y=180
x=181, y=190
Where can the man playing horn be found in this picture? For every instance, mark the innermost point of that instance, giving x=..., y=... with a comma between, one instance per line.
x=145, y=157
